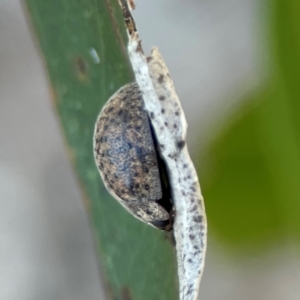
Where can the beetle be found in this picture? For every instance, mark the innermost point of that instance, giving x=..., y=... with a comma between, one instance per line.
x=127, y=158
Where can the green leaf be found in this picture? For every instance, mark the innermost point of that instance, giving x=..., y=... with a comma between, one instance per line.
x=252, y=189
x=83, y=43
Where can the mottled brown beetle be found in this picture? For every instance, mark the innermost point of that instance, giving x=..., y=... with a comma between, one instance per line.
x=126, y=156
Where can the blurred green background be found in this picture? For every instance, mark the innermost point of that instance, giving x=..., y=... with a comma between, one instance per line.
x=251, y=177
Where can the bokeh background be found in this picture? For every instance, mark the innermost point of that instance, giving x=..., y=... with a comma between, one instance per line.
x=236, y=67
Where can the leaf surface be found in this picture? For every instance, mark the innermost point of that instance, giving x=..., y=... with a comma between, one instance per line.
x=83, y=44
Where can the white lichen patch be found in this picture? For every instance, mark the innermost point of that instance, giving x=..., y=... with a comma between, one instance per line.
x=169, y=123
x=164, y=87
x=190, y=221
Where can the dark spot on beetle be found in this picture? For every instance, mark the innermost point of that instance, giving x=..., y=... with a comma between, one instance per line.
x=136, y=174
x=138, y=150
x=111, y=109
x=138, y=128
x=129, y=145
x=128, y=119
x=120, y=112
x=185, y=166
x=112, y=120
x=190, y=261
x=105, y=127
x=198, y=219
x=162, y=146
x=152, y=115
x=196, y=247
x=122, y=191
x=175, y=126
x=124, y=98
x=148, y=212
x=184, y=178
x=146, y=187
x=112, y=182
x=160, y=78
x=162, y=128
x=166, y=124
x=116, y=176
x=191, y=236
x=163, y=111
x=103, y=154
x=137, y=185
x=100, y=167
x=161, y=98
x=177, y=113
x=146, y=170
x=180, y=144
